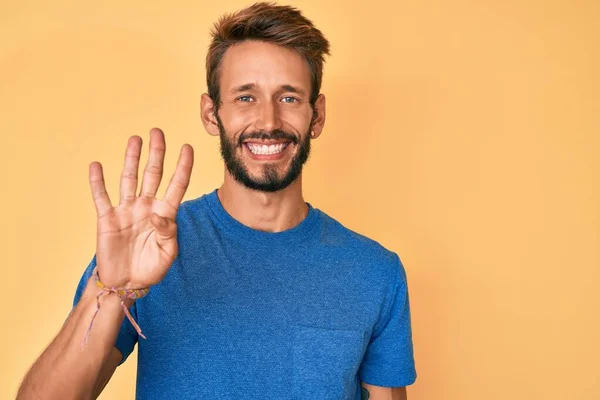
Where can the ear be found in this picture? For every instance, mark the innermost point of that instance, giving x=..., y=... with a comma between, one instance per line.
x=208, y=115
x=319, y=110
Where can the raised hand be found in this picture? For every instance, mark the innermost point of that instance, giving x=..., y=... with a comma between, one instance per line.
x=137, y=240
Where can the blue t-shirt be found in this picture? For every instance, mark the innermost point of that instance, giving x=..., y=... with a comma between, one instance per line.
x=244, y=314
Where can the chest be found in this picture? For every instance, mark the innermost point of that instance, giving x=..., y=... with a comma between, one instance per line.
x=294, y=323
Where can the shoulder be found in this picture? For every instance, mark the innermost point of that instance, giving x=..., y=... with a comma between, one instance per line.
x=357, y=246
x=192, y=209
x=193, y=204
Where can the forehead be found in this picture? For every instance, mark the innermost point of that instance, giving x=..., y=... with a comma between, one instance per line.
x=265, y=64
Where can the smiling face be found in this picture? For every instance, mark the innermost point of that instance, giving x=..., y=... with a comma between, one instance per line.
x=265, y=117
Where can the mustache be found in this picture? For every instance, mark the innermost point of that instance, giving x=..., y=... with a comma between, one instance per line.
x=264, y=135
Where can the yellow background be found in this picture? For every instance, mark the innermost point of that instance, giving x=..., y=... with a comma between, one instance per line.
x=463, y=135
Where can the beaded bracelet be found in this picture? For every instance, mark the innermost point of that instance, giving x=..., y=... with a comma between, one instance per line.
x=123, y=295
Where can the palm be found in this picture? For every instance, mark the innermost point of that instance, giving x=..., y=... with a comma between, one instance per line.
x=133, y=248
x=127, y=238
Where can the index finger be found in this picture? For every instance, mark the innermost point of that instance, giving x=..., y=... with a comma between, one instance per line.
x=99, y=193
x=181, y=177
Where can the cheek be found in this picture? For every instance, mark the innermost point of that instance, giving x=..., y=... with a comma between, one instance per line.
x=298, y=119
x=235, y=122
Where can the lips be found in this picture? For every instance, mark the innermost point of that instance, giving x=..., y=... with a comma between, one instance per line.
x=268, y=145
x=266, y=148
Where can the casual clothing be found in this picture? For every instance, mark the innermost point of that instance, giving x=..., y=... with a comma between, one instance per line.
x=245, y=314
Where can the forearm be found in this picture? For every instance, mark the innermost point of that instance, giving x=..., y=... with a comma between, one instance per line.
x=65, y=370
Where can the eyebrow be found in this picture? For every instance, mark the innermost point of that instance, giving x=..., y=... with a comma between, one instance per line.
x=243, y=88
x=293, y=89
x=250, y=86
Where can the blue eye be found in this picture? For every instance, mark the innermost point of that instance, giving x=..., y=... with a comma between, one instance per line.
x=245, y=99
x=291, y=99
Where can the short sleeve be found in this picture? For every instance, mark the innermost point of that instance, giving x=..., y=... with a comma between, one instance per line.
x=127, y=336
x=389, y=360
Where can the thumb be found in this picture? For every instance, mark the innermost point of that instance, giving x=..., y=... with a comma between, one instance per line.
x=164, y=227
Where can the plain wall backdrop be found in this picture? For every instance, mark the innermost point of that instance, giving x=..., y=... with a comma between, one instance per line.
x=462, y=135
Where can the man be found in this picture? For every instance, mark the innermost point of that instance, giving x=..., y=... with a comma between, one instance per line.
x=253, y=292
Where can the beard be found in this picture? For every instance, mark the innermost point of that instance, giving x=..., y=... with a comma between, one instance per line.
x=270, y=180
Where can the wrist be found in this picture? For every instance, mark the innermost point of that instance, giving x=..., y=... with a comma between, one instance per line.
x=112, y=281
x=113, y=299
x=93, y=289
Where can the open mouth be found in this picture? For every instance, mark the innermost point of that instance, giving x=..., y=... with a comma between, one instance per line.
x=263, y=149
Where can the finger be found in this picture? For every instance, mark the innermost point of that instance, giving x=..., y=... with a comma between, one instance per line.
x=181, y=177
x=154, y=166
x=99, y=193
x=166, y=228
x=129, y=177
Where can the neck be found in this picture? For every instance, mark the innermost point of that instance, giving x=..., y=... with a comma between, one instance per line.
x=269, y=212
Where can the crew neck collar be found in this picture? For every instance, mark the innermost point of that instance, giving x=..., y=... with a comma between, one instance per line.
x=303, y=231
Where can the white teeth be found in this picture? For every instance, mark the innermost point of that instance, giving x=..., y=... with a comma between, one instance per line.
x=264, y=149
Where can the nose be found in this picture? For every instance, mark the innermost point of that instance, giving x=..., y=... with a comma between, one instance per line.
x=268, y=118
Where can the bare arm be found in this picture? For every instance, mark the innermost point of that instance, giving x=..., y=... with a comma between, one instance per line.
x=372, y=392
x=65, y=370
x=107, y=371
x=136, y=244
